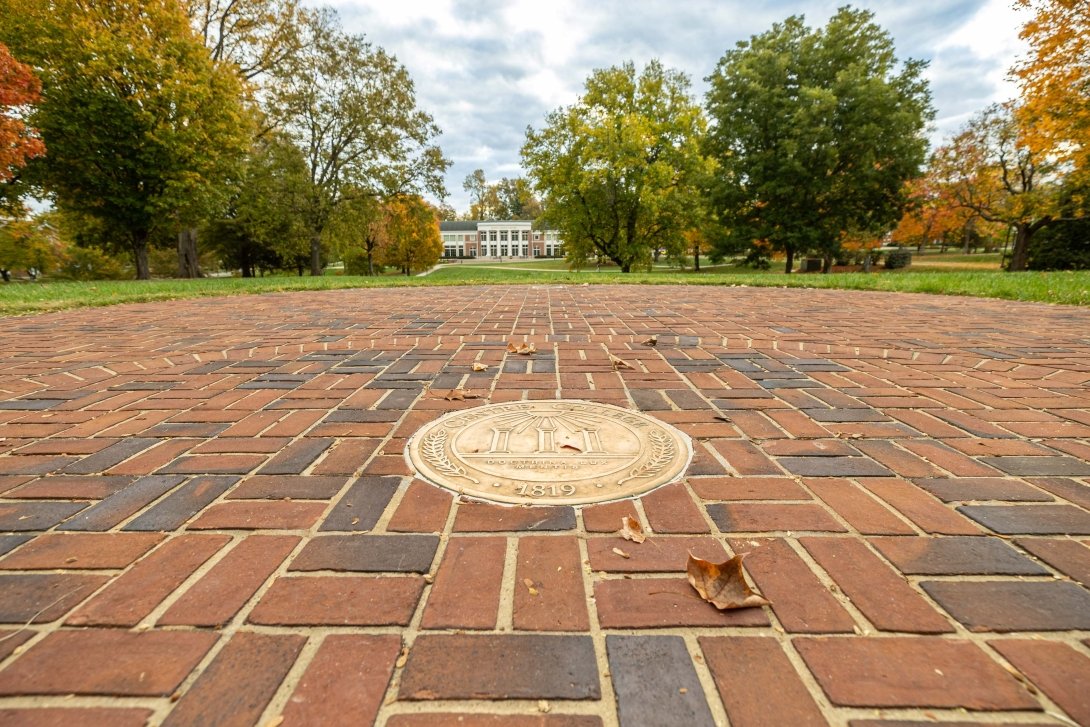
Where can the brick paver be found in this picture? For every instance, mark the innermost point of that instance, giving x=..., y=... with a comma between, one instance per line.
x=206, y=516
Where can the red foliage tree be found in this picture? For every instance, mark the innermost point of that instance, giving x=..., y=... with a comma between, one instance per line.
x=19, y=88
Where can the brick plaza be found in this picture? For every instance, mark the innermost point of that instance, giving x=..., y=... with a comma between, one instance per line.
x=207, y=516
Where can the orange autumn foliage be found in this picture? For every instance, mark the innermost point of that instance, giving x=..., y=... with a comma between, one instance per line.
x=934, y=213
x=19, y=87
x=1055, y=80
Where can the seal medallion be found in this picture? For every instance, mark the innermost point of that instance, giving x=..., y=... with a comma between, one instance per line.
x=561, y=452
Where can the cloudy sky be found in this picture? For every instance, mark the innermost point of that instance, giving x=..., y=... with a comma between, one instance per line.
x=486, y=69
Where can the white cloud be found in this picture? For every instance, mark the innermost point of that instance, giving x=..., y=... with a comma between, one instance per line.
x=485, y=69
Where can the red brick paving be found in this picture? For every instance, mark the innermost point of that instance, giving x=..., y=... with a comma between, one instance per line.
x=206, y=517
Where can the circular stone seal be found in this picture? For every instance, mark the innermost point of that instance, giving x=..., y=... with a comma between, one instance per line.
x=560, y=452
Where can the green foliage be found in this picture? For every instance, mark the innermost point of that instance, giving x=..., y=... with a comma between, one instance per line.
x=507, y=199
x=1065, y=244
x=621, y=169
x=356, y=263
x=351, y=108
x=139, y=123
x=92, y=263
x=815, y=133
x=899, y=258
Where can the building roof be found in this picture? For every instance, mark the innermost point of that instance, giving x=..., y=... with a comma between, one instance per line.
x=471, y=225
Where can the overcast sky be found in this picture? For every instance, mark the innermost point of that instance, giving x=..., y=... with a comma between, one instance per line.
x=486, y=69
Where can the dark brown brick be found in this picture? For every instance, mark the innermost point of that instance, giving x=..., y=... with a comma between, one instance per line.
x=149, y=664
x=361, y=507
x=834, y=467
x=655, y=682
x=338, y=601
x=663, y=602
x=1075, y=492
x=368, y=553
x=347, y=676
x=78, y=551
x=735, y=660
x=233, y=690
x=479, y=517
x=43, y=597
x=880, y=593
x=296, y=457
x=123, y=503
x=134, y=595
x=954, y=489
x=558, y=602
x=911, y=672
x=1013, y=605
x=29, y=516
x=179, y=506
x=222, y=591
x=1038, y=466
x=466, y=593
x=955, y=556
x=742, y=517
x=112, y=455
x=1057, y=669
x=506, y=666
x=1030, y=519
x=800, y=601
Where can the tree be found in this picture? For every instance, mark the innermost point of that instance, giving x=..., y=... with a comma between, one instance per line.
x=815, y=133
x=19, y=143
x=1055, y=78
x=998, y=177
x=263, y=227
x=620, y=170
x=351, y=108
x=256, y=36
x=140, y=125
x=411, y=234
x=515, y=199
x=932, y=213
x=358, y=228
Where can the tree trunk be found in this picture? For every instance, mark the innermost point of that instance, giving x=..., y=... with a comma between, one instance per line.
x=626, y=268
x=790, y=260
x=315, y=253
x=189, y=265
x=140, y=255
x=1020, y=254
x=826, y=263
x=866, y=262
x=696, y=259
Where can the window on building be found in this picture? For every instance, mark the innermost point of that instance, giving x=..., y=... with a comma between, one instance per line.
x=491, y=235
x=525, y=235
x=503, y=235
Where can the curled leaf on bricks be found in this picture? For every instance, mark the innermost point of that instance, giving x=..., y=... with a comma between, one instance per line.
x=511, y=347
x=723, y=584
x=618, y=362
x=652, y=341
x=478, y=366
x=632, y=530
x=526, y=349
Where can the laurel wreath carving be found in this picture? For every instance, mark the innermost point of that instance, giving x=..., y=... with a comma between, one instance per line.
x=434, y=450
x=663, y=450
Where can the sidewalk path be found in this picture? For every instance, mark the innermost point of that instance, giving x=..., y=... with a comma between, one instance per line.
x=206, y=516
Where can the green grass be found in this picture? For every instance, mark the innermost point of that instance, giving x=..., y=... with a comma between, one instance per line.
x=1054, y=287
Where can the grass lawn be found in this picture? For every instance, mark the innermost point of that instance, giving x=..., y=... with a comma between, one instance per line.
x=923, y=277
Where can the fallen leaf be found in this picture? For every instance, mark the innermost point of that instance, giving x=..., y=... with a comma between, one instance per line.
x=652, y=341
x=529, y=586
x=511, y=347
x=526, y=349
x=621, y=553
x=455, y=395
x=618, y=363
x=542, y=706
x=723, y=584
x=722, y=418
x=429, y=578
x=402, y=657
x=632, y=530
x=477, y=366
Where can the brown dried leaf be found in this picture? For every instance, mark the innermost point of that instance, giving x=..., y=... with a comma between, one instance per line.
x=455, y=395
x=632, y=530
x=478, y=366
x=618, y=363
x=621, y=553
x=723, y=584
x=402, y=657
x=652, y=341
x=526, y=349
x=529, y=586
x=511, y=347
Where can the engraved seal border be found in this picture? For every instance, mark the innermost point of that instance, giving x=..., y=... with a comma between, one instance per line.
x=549, y=452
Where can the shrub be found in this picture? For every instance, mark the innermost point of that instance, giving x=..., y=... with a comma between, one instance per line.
x=900, y=258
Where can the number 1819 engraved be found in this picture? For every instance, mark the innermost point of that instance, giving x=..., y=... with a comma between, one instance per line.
x=546, y=490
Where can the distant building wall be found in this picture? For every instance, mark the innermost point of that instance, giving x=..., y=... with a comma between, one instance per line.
x=498, y=239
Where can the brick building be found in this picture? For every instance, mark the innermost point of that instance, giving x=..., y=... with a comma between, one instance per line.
x=498, y=239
